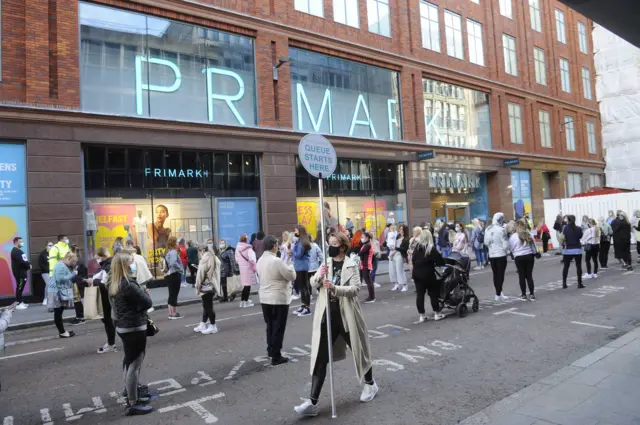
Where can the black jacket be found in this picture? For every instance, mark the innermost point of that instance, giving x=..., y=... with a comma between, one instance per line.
x=424, y=265
x=229, y=267
x=19, y=263
x=621, y=232
x=403, y=247
x=130, y=305
x=106, y=267
x=43, y=261
x=572, y=237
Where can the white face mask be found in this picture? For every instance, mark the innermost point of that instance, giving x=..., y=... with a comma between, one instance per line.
x=210, y=246
x=221, y=246
x=66, y=240
x=363, y=240
x=20, y=244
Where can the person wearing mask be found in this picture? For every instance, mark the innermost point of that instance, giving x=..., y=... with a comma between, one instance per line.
x=340, y=279
x=461, y=241
x=193, y=258
x=118, y=244
x=275, y=297
x=585, y=223
x=425, y=260
x=5, y=319
x=173, y=271
x=398, y=258
x=622, y=239
x=58, y=251
x=557, y=227
x=228, y=266
x=301, y=256
x=366, y=265
x=60, y=290
x=610, y=217
x=375, y=245
x=572, y=236
x=316, y=257
x=246, y=259
x=184, y=260
x=544, y=235
x=605, y=242
x=636, y=231
x=20, y=266
x=130, y=304
x=82, y=273
x=523, y=249
x=591, y=242
x=495, y=238
x=477, y=240
x=349, y=226
x=258, y=244
x=100, y=279
x=207, y=280
x=43, y=264
x=443, y=239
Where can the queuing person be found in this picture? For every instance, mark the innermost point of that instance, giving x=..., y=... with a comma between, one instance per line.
x=141, y=272
x=366, y=265
x=591, y=242
x=391, y=239
x=5, y=319
x=585, y=223
x=193, y=258
x=558, y=225
x=398, y=258
x=100, y=280
x=81, y=273
x=605, y=242
x=20, y=266
x=118, y=244
x=316, y=257
x=355, y=243
x=258, y=244
x=43, y=264
x=275, y=296
x=172, y=275
x=413, y=242
x=461, y=241
x=622, y=239
x=544, y=235
x=301, y=255
x=246, y=259
x=341, y=280
x=60, y=290
x=523, y=249
x=425, y=260
x=228, y=267
x=636, y=231
x=495, y=238
x=443, y=240
x=130, y=304
x=477, y=241
x=572, y=236
x=375, y=244
x=610, y=217
x=207, y=280
x=184, y=260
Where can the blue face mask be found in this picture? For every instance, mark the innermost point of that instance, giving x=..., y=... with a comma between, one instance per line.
x=133, y=268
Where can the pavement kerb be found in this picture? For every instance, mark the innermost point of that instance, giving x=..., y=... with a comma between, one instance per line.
x=495, y=411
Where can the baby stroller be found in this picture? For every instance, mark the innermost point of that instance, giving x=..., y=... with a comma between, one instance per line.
x=454, y=283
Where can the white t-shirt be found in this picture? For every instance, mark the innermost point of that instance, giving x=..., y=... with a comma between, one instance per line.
x=391, y=240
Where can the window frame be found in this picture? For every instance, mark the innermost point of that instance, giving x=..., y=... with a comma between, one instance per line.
x=430, y=22
x=535, y=15
x=569, y=129
x=565, y=75
x=514, y=110
x=369, y=14
x=308, y=7
x=592, y=137
x=583, y=41
x=343, y=3
x=587, y=92
x=510, y=55
x=506, y=8
x=561, y=26
x=473, y=40
x=451, y=31
x=540, y=66
x=544, y=120
x=572, y=179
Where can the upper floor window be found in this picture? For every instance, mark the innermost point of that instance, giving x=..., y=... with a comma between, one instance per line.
x=545, y=128
x=582, y=37
x=536, y=16
x=379, y=20
x=595, y=180
x=453, y=32
x=312, y=7
x=586, y=84
x=574, y=183
x=346, y=12
x=561, y=27
x=570, y=132
x=540, y=66
x=476, y=48
x=565, y=76
x=591, y=137
x=506, y=8
x=510, y=56
x=515, y=123
x=430, y=24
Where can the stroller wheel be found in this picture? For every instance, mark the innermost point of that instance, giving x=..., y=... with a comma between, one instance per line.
x=462, y=310
x=476, y=305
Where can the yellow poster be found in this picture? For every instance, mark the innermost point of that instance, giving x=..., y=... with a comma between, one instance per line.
x=308, y=215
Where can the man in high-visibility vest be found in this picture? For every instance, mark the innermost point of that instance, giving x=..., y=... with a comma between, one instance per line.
x=58, y=251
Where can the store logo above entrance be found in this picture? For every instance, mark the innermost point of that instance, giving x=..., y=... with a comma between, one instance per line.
x=345, y=177
x=176, y=172
x=469, y=181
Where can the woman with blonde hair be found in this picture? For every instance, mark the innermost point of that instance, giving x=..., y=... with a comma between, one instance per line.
x=207, y=285
x=591, y=242
x=60, y=291
x=173, y=271
x=413, y=241
x=426, y=258
x=523, y=248
x=130, y=304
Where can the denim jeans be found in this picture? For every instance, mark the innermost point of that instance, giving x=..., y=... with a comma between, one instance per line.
x=479, y=256
x=446, y=252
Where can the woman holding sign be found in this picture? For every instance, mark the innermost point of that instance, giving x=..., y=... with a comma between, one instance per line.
x=341, y=278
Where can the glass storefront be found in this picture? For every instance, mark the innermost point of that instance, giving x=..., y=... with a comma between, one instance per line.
x=149, y=195
x=455, y=116
x=368, y=193
x=458, y=195
x=342, y=97
x=144, y=66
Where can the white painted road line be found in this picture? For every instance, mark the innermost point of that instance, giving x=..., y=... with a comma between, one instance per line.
x=513, y=311
x=509, y=310
x=31, y=353
x=27, y=341
x=593, y=325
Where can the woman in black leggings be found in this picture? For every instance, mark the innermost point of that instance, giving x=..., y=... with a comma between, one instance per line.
x=173, y=276
x=523, y=249
x=591, y=242
x=206, y=284
x=425, y=259
x=99, y=280
x=573, y=250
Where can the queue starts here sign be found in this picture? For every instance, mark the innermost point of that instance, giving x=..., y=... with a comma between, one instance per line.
x=317, y=155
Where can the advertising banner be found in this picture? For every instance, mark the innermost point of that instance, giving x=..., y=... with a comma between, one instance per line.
x=308, y=212
x=236, y=216
x=12, y=175
x=13, y=223
x=111, y=220
x=375, y=216
x=521, y=192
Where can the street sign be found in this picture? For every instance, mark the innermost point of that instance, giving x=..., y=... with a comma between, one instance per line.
x=426, y=155
x=512, y=161
x=317, y=155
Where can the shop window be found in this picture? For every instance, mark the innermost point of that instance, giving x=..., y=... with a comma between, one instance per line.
x=235, y=171
x=95, y=158
x=220, y=171
x=546, y=185
x=116, y=158
x=173, y=163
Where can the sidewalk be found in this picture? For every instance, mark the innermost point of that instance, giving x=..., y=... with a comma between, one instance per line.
x=598, y=389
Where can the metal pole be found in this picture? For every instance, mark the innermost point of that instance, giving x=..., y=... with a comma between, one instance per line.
x=327, y=310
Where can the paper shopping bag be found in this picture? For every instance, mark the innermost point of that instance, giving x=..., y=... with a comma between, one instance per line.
x=234, y=286
x=92, y=303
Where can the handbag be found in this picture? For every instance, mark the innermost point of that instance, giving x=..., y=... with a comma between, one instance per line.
x=152, y=329
x=65, y=294
x=206, y=287
x=92, y=303
x=535, y=250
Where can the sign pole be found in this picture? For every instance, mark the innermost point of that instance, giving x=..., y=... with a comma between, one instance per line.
x=327, y=310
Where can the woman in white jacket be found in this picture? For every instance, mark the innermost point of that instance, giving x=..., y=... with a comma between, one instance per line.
x=591, y=242
x=523, y=248
x=495, y=238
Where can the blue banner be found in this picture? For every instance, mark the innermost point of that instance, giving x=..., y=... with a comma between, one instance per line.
x=13, y=176
x=236, y=216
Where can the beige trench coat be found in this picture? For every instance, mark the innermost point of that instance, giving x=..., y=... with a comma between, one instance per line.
x=352, y=318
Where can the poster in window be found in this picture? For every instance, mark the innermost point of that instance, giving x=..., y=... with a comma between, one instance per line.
x=13, y=223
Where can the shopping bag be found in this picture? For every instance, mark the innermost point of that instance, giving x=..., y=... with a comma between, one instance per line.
x=92, y=303
x=234, y=286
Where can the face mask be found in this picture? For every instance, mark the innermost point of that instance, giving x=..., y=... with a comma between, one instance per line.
x=21, y=244
x=458, y=229
x=210, y=246
x=65, y=240
x=334, y=251
x=620, y=217
x=363, y=240
x=296, y=234
x=49, y=247
x=221, y=246
x=133, y=267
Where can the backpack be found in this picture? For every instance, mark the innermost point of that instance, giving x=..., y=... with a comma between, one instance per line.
x=480, y=236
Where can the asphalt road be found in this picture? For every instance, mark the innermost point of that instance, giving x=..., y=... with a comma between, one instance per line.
x=433, y=373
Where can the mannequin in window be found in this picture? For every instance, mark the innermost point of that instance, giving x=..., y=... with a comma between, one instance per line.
x=90, y=227
x=140, y=229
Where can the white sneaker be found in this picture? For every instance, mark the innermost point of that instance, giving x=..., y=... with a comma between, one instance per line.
x=478, y=268
x=421, y=318
x=594, y=276
x=295, y=297
x=248, y=304
x=107, y=349
x=184, y=285
x=503, y=297
x=210, y=329
x=375, y=285
x=22, y=306
x=395, y=287
x=362, y=283
x=242, y=304
x=438, y=316
x=369, y=392
x=404, y=288
x=306, y=408
x=151, y=310
x=44, y=303
x=497, y=298
x=201, y=327
x=586, y=276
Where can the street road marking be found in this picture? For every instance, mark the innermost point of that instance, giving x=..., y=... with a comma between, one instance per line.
x=593, y=325
x=171, y=384
x=513, y=311
x=235, y=369
x=242, y=315
x=203, y=377
x=32, y=353
x=27, y=341
x=8, y=420
x=119, y=398
x=98, y=407
x=393, y=366
x=46, y=417
x=197, y=407
x=400, y=328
